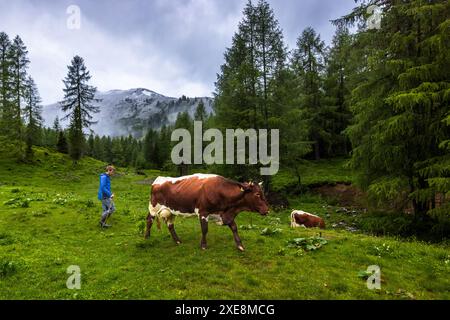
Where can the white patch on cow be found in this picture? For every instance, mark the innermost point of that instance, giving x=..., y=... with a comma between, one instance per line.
x=183, y=214
x=294, y=223
x=161, y=180
x=167, y=213
x=300, y=212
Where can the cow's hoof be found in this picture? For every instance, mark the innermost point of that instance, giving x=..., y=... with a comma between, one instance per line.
x=241, y=248
x=178, y=242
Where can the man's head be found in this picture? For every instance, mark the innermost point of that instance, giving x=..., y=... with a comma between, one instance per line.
x=110, y=170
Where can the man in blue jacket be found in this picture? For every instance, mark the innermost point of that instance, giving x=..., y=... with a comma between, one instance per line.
x=106, y=196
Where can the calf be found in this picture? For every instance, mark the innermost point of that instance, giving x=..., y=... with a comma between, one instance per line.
x=305, y=219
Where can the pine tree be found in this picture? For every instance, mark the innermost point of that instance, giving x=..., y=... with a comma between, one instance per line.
x=90, y=146
x=246, y=88
x=117, y=152
x=401, y=131
x=5, y=84
x=53, y=133
x=308, y=64
x=78, y=102
x=200, y=112
x=56, y=124
x=270, y=55
x=164, y=146
x=19, y=66
x=32, y=114
x=235, y=96
x=61, y=144
x=149, y=147
x=337, y=86
x=97, y=152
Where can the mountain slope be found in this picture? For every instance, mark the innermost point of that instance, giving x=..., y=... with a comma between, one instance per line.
x=133, y=111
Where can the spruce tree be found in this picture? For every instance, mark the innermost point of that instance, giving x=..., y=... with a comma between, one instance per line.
x=270, y=56
x=308, y=64
x=53, y=134
x=246, y=87
x=339, y=69
x=19, y=66
x=200, y=112
x=56, y=124
x=78, y=102
x=5, y=84
x=401, y=131
x=32, y=114
x=61, y=143
x=149, y=148
x=90, y=145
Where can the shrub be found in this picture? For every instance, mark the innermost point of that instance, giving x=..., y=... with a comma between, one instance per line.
x=307, y=244
x=18, y=203
x=140, y=227
x=5, y=239
x=7, y=267
x=89, y=203
x=270, y=231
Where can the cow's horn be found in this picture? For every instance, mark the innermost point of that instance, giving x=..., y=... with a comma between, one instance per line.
x=242, y=189
x=261, y=183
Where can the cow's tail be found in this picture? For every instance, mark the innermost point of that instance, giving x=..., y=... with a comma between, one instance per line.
x=155, y=214
x=158, y=221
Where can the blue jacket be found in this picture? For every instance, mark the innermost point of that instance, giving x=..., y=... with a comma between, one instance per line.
x=104, y=191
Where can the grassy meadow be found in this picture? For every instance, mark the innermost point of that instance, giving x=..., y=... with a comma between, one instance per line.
x=49, y=220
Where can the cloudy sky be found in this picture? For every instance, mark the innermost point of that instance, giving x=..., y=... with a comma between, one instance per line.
x=173, y=47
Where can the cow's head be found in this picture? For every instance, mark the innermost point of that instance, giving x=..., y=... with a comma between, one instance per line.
x=254, y=197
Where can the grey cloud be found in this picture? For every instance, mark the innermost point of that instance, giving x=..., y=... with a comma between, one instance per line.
x=175, y=47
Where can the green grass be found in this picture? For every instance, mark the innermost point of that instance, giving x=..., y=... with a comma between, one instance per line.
x=314, y=172
x=50, y=218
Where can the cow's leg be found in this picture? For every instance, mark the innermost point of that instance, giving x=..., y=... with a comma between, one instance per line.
x=204, y=225
x=173, y=233
x=149, y=226
x=169, y=218
x=234, y=229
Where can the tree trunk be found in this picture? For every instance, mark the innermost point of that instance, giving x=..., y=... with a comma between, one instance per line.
x=317, y=150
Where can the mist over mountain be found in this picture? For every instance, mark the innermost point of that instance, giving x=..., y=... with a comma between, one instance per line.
x=133, y=111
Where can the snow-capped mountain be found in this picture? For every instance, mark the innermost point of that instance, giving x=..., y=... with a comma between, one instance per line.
x=134, y=111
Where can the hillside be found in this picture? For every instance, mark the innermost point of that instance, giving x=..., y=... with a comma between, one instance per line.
x=133, y=111
x=48, y=221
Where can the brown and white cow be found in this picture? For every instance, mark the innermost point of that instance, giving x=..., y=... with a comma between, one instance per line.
x=202, y=195
x=301, y=218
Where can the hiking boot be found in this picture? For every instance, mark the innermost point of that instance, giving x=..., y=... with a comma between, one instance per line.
x=104, y=225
